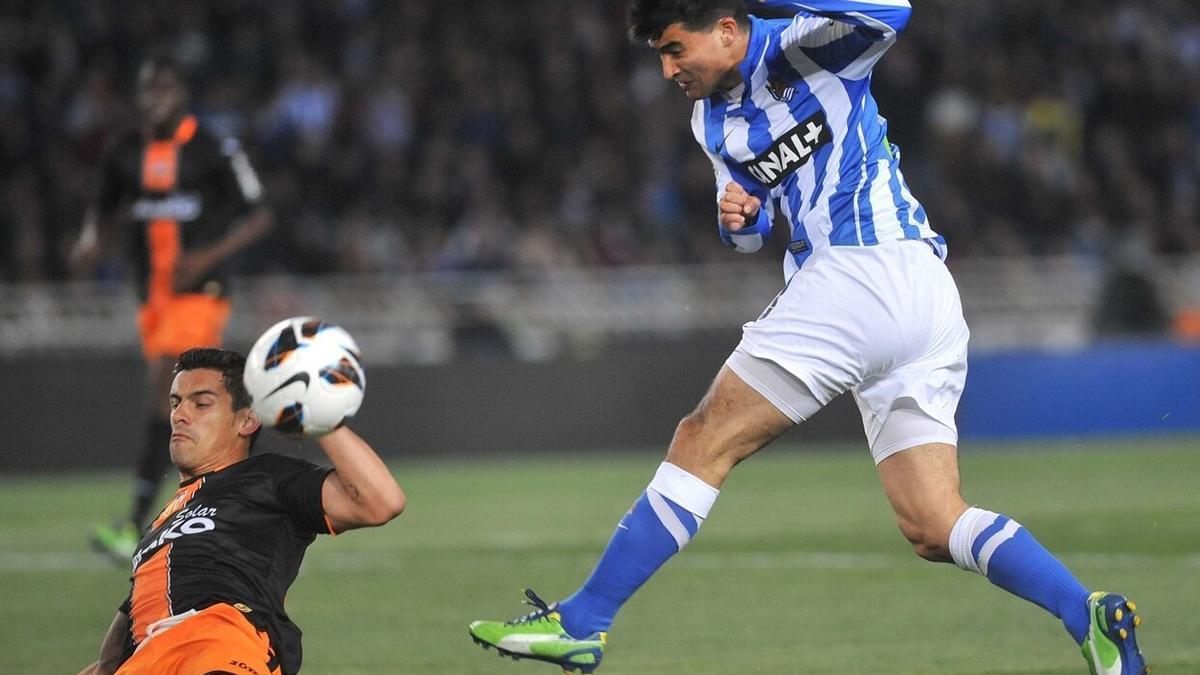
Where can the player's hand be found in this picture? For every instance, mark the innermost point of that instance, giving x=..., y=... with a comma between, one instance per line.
x=86, y=250
x=738, y=208
x=82, y=258
x=188, y=270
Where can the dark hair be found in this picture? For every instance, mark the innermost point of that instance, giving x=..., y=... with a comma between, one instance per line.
x=649, y=18
x=231, y=366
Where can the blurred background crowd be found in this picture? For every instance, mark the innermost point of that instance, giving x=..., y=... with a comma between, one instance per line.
x=457, y=135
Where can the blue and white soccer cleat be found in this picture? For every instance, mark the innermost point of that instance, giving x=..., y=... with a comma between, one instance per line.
x=1110, y=646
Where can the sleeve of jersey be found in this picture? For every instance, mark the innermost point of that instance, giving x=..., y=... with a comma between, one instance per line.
x=298, y=484
x=747, y=239
x=844, y=38
x=241, y=175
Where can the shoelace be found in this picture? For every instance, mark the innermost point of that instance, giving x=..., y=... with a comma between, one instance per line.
x=542, y=609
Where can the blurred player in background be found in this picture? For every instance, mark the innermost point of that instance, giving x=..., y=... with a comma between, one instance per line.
x=182, y=201
x=784, y=111
x=211, y=572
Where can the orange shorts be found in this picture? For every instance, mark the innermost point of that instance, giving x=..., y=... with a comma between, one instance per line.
x=217, y=640
x=181, y=322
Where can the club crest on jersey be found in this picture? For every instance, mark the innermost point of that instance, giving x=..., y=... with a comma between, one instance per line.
x=790, y=152
x=780, y=89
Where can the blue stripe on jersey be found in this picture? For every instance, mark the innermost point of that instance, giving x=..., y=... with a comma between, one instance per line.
x=866, y=211
x=714, y=127
x=759, y=134
x=910, y=230
x=799, y=232
x=844, y=211
x=839, y=54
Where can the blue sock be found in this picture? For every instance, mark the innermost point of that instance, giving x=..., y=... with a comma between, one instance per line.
x=659, y=525
x=1004, y=552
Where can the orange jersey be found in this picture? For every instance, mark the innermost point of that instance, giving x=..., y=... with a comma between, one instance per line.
x=234, y=536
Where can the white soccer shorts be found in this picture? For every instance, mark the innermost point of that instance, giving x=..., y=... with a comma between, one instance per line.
x=884, y=322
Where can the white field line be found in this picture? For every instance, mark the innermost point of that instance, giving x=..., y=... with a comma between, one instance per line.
x=698, y=560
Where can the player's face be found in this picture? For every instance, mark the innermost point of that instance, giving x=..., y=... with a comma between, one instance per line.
x=699, y=62
x=160, y=97
x=206, y=432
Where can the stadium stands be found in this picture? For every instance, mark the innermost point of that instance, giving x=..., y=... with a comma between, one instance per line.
x=458, y=135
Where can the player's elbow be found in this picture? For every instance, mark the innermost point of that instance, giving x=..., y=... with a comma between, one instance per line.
x=389, y=504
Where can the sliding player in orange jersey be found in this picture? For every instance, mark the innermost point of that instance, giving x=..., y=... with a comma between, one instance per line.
x=211, y=572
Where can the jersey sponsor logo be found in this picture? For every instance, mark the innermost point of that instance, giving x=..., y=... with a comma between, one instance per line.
x=192, y=521
x=790, y=152
x=182, y=207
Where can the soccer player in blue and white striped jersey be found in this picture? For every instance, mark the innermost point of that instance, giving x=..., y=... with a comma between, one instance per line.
x=784, y=111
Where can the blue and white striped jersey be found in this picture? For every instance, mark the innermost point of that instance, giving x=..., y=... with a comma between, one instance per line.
x=803, y=134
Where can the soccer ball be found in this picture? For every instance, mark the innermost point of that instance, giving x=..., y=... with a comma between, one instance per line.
x=305, y=376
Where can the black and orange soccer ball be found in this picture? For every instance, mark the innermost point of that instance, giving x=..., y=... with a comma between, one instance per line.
x=305, y=376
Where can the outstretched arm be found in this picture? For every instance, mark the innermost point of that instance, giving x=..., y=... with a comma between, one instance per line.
x=360, y=491
x=869, y=13
x=846, y=38
x=111, y=648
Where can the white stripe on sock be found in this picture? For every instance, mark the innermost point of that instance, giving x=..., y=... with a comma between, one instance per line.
x=969, y=524
x=985, y=554
x=668, y=518
x=685, y=489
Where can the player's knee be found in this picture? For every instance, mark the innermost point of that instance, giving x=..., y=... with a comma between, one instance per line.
x=929, y=542
x=688, y=434
x=692, y=440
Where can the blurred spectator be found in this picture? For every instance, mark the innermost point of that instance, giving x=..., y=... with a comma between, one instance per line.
x=397, y=136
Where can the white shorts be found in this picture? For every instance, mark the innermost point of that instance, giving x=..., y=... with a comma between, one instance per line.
x=884, y=322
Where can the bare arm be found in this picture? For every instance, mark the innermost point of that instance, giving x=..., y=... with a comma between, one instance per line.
x=194, y=263
x=111, y=648
x=92, y=241
x=360, y=492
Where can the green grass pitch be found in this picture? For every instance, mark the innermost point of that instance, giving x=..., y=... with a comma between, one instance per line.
x=799, y=570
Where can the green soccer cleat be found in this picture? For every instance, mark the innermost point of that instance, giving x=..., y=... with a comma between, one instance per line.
x=118, y=542
x=540, y=635
x=1110, y=646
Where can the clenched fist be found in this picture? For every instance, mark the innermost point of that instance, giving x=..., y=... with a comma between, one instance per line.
x=738, y=208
